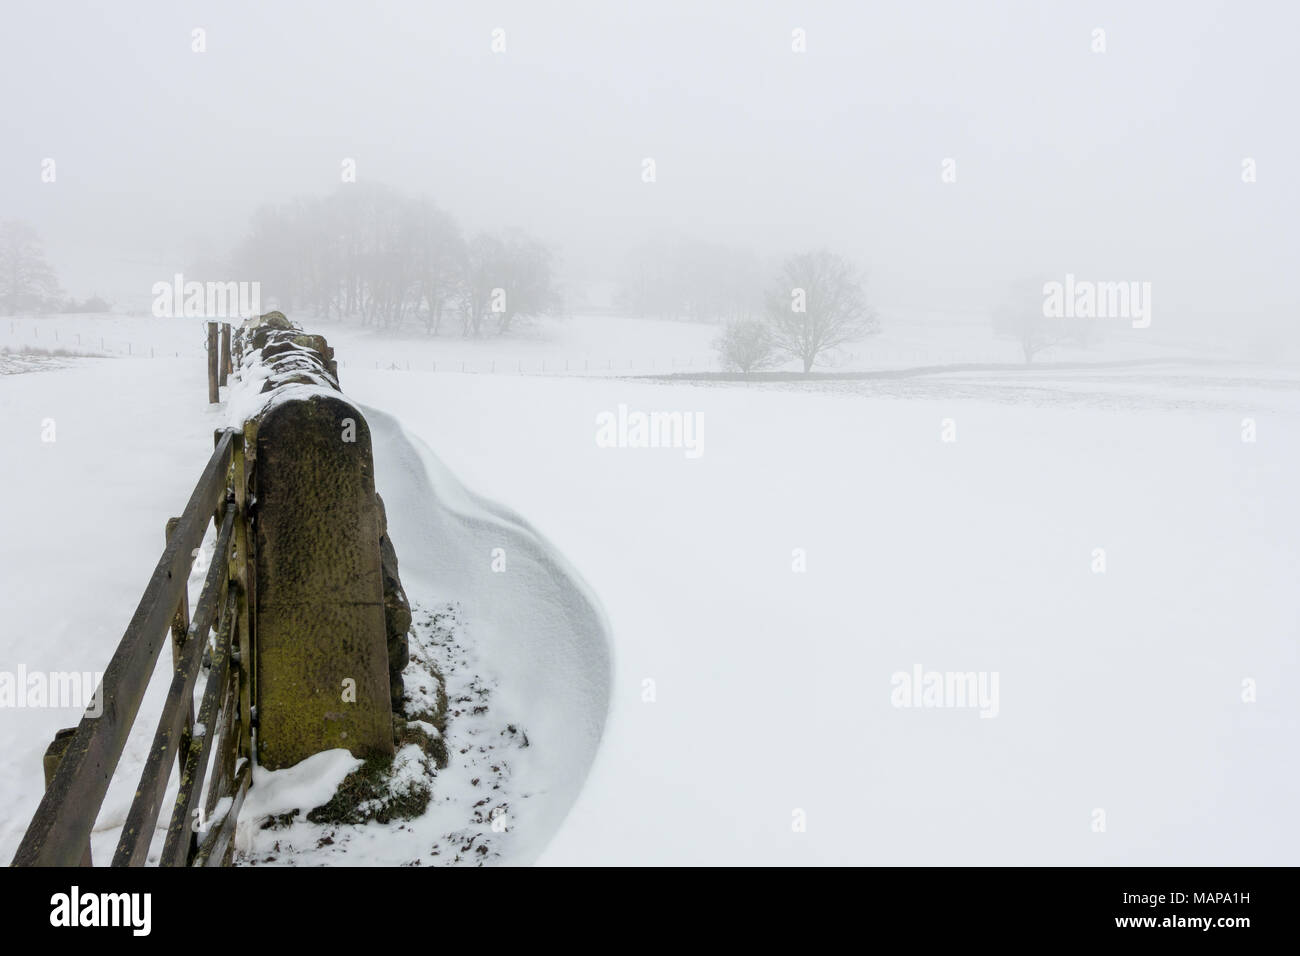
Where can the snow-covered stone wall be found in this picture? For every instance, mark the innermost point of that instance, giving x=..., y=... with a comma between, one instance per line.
x=331, y=617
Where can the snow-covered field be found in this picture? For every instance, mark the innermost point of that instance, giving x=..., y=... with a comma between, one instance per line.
x=83, y=530
x=1119, y=691
x=703, y=648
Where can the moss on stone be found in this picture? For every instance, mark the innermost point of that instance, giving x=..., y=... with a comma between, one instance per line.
x=322, y=662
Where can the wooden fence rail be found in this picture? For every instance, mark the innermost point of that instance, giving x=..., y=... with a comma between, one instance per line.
x=59, y=832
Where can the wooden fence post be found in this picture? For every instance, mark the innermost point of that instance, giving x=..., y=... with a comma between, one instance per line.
x=242, y=572
x=214, y=395
x=180, y=629
x=53, y=757
x=225, y=368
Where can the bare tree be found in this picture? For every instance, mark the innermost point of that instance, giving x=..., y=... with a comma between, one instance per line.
x=27, y=283
x=1021, y=317
x=746, y=346
x=817, y=306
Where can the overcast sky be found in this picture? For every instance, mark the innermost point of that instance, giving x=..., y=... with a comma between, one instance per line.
x=1125, y=164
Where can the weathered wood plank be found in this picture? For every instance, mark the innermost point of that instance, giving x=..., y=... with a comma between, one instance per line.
x=180, y=833
x=216, y=848
x=181, y=627
x=137, y=833
x=53, y=756
x=60, y=829
x=227, y=756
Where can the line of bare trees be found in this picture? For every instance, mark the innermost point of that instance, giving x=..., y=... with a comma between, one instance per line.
x=389, y=260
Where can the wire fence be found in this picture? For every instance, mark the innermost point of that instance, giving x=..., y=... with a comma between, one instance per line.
x=19, y=335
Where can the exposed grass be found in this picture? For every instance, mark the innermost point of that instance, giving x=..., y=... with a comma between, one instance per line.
x=435, y=748
x=371, y=793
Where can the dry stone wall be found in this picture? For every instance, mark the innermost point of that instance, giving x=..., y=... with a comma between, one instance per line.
x=331, y=617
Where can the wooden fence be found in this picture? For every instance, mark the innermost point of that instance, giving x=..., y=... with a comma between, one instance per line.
x=219, y=362
x=218, y=747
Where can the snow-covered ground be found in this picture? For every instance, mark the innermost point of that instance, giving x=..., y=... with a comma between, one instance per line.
x=83, y=529
x=723, y=631
x=1119, y=691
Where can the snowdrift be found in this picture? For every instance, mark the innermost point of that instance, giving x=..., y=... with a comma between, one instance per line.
x=533, y=620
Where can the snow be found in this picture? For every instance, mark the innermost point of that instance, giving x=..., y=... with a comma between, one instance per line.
x=1119, y=691
x=539, y=626
x=82, y=535
x=490, y=781
x=769, y=694
x=307, y=784
x=425, y=726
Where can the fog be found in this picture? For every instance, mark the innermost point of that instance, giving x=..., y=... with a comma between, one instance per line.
x=812, y=433
x=1125, y=164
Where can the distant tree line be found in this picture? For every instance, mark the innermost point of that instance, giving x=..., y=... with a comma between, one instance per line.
x=371, y=254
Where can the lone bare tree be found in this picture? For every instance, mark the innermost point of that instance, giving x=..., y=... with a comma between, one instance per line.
x=1022, y=317
x=817, y=306
x=746, y=346
x=27, y=283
